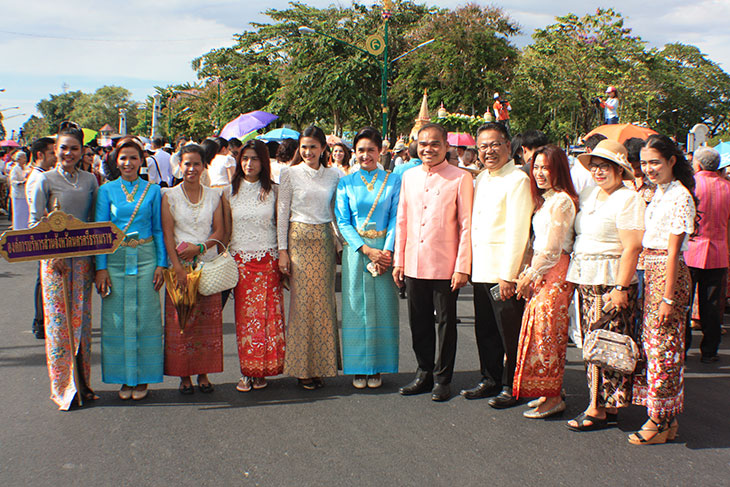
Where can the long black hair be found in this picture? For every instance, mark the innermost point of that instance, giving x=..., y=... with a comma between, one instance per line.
x=262, y=151
x=315, y=133
x=682, y=170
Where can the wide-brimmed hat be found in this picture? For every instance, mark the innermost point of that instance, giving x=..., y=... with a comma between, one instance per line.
x=400, y=146
x=611, y=151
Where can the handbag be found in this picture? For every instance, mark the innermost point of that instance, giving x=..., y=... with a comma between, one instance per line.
x=220, y=274
x=610, y=350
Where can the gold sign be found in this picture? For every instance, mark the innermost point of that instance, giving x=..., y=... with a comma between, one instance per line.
x=60, y=235
x=375, y=44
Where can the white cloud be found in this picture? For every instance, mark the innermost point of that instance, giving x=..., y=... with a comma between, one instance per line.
x=112, y=42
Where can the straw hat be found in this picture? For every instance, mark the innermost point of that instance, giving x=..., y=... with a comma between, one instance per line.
x=611, y=151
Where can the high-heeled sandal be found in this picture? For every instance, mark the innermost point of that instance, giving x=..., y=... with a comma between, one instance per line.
x=660, y=433
x=673, y=430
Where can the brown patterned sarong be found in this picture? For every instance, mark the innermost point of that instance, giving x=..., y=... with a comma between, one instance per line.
x=312, y=348
x=614, y=389
x=660, y=387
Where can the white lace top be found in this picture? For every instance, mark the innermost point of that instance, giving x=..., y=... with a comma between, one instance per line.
x=553, y=227
x=193, y=222
x=597, y=250
x=671, y=211
x=254, y=222
x=306, y=195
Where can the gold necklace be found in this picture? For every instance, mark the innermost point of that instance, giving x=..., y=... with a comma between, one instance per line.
x=371, y=184
x=130, y=196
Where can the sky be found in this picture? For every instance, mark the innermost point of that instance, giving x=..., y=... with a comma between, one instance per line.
x=48, y=46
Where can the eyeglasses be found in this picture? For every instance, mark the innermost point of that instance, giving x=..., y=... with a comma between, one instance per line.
x=69, y=125
x=491, y=146
x=603, y=167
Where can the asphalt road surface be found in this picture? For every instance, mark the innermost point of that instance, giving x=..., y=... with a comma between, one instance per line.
x=337, y=435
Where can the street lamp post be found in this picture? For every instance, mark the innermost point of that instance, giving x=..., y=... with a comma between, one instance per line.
x=384, y=71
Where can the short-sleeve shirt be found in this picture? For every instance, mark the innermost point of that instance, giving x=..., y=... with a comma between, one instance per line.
x=671, y=211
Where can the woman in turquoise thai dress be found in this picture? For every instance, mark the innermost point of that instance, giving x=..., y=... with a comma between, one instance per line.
x=366, y=206
x=129, y=280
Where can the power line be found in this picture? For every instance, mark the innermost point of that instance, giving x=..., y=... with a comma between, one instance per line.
x=90, y=39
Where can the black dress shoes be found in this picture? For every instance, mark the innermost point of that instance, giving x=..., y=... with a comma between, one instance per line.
x=483, y=389
x=441, y=393
x=504, y=400
x=421, y=384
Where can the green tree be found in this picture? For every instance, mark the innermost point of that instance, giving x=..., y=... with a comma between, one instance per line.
x=58, y=108
x=692, y=89
x=570, y=63
x=34, y=128
x=471, y=58
x=102, y=107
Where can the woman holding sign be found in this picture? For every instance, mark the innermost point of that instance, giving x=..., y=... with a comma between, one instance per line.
x=129, y=280
x=67, y=280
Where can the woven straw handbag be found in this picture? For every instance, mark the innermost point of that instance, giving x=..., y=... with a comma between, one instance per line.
x=220, y=274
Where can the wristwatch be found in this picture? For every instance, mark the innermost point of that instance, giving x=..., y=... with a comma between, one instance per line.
x=619, y=287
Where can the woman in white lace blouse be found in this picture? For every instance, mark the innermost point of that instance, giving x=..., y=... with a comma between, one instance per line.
x=192, y=223
x=670, y=219
x=544, y=332
x=258, y=294
x=609, y=226
x=307, y=255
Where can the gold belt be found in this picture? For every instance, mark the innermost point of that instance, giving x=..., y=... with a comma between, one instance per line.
x=372, y=233
x=133, y=242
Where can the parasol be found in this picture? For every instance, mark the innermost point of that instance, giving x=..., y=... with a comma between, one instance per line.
x=89, y=135
x=457, y=139
x=333, y=139
x=620, y=132
x=246, y=123
x=277, y=135
x=9, y=143
x=724, y=149
x=184, y=299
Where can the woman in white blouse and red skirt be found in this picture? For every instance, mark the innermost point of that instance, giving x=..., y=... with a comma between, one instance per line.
x=544, y=333
x=670, y=219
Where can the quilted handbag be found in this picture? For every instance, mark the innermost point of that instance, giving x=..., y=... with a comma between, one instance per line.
x=610, y=350
x=220, y=274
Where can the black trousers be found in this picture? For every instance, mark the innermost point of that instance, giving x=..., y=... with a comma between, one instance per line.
x=497, y=328
x=709, y=284
x=424, y=297
x=38, y=318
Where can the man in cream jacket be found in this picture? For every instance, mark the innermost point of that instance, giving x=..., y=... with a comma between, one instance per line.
x=501, y=217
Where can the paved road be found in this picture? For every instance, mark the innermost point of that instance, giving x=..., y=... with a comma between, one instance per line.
x=334, y=436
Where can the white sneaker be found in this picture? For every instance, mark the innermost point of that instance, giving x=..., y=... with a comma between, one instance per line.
x=374, y=381
x=360, y=382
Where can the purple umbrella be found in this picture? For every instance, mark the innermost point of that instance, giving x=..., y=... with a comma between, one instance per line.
x=247, y=123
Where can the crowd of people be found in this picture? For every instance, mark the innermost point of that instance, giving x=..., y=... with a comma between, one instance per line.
x=536, y=240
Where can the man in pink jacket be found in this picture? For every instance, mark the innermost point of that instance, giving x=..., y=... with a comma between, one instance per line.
x=433, y=255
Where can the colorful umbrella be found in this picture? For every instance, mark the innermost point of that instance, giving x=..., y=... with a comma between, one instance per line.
x=622, y=131
x=277, y=135
x=456, y=139
x=724, y=149
x=247, y=123
x=89, y=135
x=9, y=143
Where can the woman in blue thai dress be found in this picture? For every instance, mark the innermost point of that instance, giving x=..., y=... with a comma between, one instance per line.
x=129, y=280
x=366, y=206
